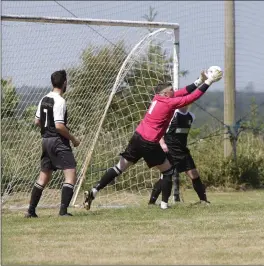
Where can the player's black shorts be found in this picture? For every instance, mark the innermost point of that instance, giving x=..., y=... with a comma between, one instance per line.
x=56, y=155
x=182, y=162
x=138, y=148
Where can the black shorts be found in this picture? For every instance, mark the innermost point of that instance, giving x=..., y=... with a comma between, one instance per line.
x=139, y=148
x=182, y=162
x=56, y=155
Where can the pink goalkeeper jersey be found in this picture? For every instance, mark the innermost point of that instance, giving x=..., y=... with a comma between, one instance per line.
x=157, y=119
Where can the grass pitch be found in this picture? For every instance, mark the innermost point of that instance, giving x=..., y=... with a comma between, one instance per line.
x=230, y=231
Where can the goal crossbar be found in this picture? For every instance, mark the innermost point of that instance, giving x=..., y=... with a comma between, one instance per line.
x=84, y=21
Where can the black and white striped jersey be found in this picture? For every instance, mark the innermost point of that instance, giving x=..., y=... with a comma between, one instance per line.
x=178, y=130
x=51, y=110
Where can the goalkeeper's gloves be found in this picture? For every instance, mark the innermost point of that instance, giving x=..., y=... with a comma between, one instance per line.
x=201, y=79
x=214, y=77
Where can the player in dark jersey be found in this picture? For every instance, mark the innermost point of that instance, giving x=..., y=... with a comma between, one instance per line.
x=145, y=140
x=51, y=117
x=174, y=143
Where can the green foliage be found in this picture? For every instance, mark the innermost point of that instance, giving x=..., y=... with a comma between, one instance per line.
x=215, y=170
x=29, y=115
x=194, y=133
x=9, y=97
x=20, y=157
x=255, y=120
x=86, y=97
x=137, y=89
x=150, y=16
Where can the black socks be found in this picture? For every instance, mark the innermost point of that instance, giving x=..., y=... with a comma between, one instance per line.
x=199, y=188
x=66, y=196
x=108, y=177
x=35, y=197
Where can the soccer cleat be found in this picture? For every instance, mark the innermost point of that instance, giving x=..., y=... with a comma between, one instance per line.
x=66, y=214
x=88, y=198
x=164, y=205
x=201, y=202
x=30, y=215
x=177, y=198
x=152, y=202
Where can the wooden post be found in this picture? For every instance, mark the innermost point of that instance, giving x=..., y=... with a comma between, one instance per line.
x=229, y=75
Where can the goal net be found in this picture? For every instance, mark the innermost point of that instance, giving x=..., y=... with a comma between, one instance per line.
x=112, y=67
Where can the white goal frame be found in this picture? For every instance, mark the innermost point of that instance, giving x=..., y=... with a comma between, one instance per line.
x=161, y=26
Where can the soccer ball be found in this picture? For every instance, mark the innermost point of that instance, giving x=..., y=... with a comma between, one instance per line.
x=211, y=70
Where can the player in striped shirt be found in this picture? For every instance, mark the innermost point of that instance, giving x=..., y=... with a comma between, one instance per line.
x=145, y=140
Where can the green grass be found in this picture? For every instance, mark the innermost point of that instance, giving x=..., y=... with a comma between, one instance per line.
x=230, y=231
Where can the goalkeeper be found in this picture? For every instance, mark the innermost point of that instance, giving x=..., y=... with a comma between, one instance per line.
x=145, y=140
x=174, y=143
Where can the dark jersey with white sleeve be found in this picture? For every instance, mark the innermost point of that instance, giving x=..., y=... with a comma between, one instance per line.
x=178, y=130
x=51, y=110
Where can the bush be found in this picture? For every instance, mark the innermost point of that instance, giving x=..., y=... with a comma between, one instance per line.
x=246, y=170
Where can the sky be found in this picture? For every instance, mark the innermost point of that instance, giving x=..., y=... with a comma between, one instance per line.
x=30, y=53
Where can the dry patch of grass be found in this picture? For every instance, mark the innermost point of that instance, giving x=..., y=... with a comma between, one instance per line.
x=228, y=232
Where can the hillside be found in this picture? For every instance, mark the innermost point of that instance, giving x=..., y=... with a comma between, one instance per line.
x=212, y=102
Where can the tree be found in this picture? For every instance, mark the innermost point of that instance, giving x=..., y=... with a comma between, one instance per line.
x=90, y=84
x=184, y=73
x=145, y=73
x=150, y=16
x=9, y=97
x=249, y=88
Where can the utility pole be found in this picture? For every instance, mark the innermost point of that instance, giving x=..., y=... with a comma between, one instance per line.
x=229, y=77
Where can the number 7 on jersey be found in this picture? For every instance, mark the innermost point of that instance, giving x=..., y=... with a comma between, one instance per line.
x=46, y=120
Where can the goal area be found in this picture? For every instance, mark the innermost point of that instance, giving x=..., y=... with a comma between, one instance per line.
x=112, y=67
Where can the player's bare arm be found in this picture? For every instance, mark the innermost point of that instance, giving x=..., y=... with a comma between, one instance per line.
x=37, y=116
x=37, y=122
x=163, y=145
x=63, y=130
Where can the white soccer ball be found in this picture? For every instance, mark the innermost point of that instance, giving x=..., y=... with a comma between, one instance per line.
x=211, y=70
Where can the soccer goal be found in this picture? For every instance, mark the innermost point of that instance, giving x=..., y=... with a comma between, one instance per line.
x=112, y=67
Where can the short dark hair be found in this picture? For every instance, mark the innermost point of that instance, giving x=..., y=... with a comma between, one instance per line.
x=160, y=87
x=58, y=78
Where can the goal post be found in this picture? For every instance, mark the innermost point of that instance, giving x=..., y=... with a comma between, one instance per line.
x=110, y=88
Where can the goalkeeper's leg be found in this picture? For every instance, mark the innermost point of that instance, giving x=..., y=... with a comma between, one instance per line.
x=106, y=179
x=130, y=156
x=167, y=171
x=157, y=189
x=155, y=192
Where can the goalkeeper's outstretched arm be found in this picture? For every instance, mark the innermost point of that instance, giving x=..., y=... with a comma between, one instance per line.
x=178, y=102
x=190, y=88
